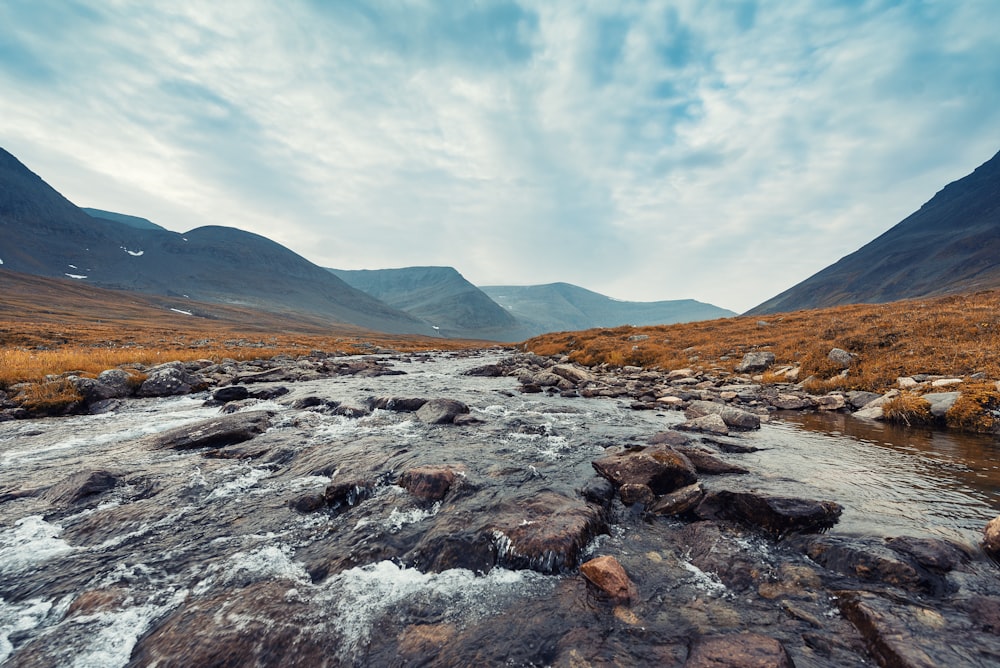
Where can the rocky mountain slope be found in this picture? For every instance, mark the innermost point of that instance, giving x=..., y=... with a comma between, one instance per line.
x=43, y=233
x=563, y=307
x=950, y=245
x=442, y=297
x=131, y=221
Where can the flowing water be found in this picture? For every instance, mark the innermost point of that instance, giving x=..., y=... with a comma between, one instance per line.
x=206, y=552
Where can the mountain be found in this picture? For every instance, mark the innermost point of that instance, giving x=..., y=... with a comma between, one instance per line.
x=442, y=297
x=950, y=245
x=565, y=307
x=131, y=221
x=43, y=233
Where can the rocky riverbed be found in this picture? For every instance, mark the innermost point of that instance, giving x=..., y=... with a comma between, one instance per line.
x=469, y=508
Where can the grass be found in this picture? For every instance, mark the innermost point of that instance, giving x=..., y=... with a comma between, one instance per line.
x=955, y=335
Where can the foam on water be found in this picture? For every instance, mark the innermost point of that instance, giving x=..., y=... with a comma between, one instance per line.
x=361, y=596
x=706, y=582
x=249, y=479
x=264, y=563
x=397, y=519
x=16, y=617
x=30, y=541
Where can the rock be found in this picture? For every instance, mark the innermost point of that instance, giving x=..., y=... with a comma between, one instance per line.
x=941, y=402
x=119, y=380
x=441, y=411
x=631, y=493
x=305, y=403
x=215, y=433
x=906, y=383
x=791, y=402
x=231, y=393
x=776, y=514
x=348, y=492
x=755, y=361
x=82, y=486
x=399, y=404
x=669, y=437
x=991, y=538
x=707, y=463
x=599, y=491
x=352, y=412
x=717, y=549
x=545, y=533
x=430, y=483
x=677, y=502
x=486, y=371
x=712, y=424
x=841, y=358
x=734, y=418
x=831, y=402
x=897, y=634
x=544, y=379
x=93, y=391
x=660, y=468
x=946, y=382
x=607, y=575
x=269, y=393
x=573, y=374
x=858, y=399
x=169, y=381
x=931, y=553
x=466, y=420
x=738, y=650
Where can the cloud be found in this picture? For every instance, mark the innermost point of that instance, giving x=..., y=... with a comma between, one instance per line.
x=649, y=150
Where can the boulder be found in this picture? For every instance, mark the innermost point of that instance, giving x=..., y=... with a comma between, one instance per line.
x=441, y=411
x=215, y=433
x=859, y=399
x=631, y=493
x=734, y=418
x=231, y=393
x=841, y=358
x=705, y=462
x=545, y=533
x=991, y=538
x=599, y=491
x=119, y=380
x=608, y=576
x=775, y=514
x=941, y=402
x=168, y=381
x=82, y=486
x=93, y=391
x=573, y=374
x=430, y=483
x=486, y=371
x=738, y=650
x=677, y=502
x=831, y=402
x=349, y=491
x=755, y=361
x=791, y=402
x=712, y=424
x=399, y=404
x=661, y=468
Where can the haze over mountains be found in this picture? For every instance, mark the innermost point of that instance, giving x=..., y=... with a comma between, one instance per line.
x=43, y=233
x=950, y=245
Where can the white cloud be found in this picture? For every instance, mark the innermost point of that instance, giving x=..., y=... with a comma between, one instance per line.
x=650, y=150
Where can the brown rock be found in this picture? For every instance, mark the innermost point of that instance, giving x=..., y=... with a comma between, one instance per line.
x=607, y=574
x=708, y=463
x=441, y=411
x=739, y=650
x=215, y=433
x=428, y=482
x=991, y=537
x=679, y=501
x=632, y=493
x=712, y=424
x=660, y=468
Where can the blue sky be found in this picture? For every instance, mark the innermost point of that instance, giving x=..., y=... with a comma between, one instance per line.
x=720, y=151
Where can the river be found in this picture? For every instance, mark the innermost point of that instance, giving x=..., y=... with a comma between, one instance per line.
x=190, y=557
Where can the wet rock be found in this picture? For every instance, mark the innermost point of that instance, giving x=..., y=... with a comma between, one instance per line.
x=441, y=411
x=734, y=418
x=931, y=553
x=455, y=540
x=991, y=538
x=870, y=562
x=94, y=601
x=423, y=641
x=660, y=468
x=729, y=445
x=738, y=650
x=466, y=420
x=269, y=393
x=858, y=399
x=573, y=374
x=712, y=424
x=631, y=493
x=545, y=533
x=486, y=371
x=273, y=628
x=231, y=393
x=215, y=433
x=705, y=462
x=599, y=491
x=669, y=437
x=714, y=549
x=777, y=515
x=82, y=486
x=755, y=361
x=344, y=410
x=608, y=576
x=901, y=635
x=399, y=404
x=349, y=492
x=93, y=390
x=430, y=483
x=677, y=502
x=118, y=380
x=791, y=402
x=984, y=611
x=313, y=402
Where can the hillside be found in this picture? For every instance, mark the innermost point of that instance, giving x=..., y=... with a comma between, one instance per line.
x=43, y=233
x=131, y=221
x=950, y=245
x=442, y=297
x=564, y=307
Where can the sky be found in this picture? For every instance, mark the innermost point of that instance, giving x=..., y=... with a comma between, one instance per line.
x=676, y=149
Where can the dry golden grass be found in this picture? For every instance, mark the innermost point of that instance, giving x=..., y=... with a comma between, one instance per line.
x=954, y=335
x=52, y=326
x=909, y=409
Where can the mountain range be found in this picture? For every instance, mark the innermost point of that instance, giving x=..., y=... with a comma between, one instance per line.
x=950, y=245
x=43, y=233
